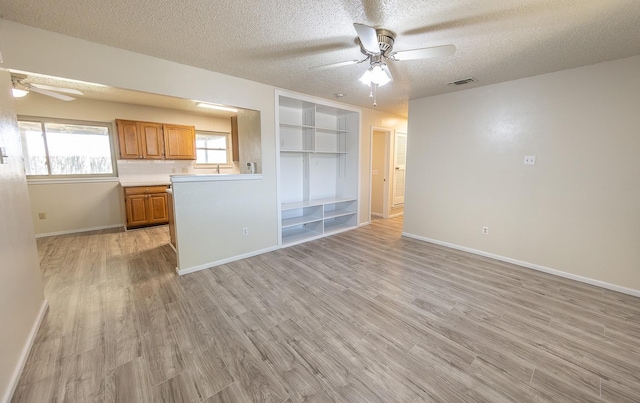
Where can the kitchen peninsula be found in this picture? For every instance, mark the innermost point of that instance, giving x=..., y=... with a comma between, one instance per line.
x=218, y=219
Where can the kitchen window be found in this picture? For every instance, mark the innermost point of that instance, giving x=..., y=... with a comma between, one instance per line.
x=213, y=148
x=55, y=148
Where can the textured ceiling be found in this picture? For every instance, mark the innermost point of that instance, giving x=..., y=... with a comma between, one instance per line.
x=276, y=41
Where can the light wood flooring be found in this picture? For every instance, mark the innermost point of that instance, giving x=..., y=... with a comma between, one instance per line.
x=363, y=316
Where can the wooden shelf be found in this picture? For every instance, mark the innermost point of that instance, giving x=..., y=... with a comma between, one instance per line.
x=328, y=130
x=318, y=161
x=317, y=202
x=291, y=222
x=332, y=227
x=297, y=126
x=297, y=234
x=338, y=213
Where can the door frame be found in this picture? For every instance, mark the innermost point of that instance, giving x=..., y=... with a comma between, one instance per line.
x=388, y=134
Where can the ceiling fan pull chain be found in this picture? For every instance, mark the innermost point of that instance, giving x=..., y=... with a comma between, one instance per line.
x=374, y=88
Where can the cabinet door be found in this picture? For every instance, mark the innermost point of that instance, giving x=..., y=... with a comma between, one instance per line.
x=179, y=142
x=158, y=210
x=152, y=144
x=136, y=210
x=129, y=139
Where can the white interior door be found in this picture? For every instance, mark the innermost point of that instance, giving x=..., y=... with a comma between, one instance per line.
x=400, y=161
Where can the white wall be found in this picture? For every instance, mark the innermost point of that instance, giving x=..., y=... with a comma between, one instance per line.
x=22, y=301
x=577, y=210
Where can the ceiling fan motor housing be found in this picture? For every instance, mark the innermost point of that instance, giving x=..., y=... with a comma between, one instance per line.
x=386, y=39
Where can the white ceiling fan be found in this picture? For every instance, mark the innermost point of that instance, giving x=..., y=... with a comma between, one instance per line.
x=377, y=45
x=21, y=87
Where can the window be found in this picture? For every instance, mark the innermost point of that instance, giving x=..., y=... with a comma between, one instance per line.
x=212, y=148
x=66, y=148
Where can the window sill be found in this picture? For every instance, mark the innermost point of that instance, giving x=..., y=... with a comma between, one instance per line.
x=56, y=181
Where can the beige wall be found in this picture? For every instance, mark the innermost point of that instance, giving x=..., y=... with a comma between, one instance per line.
x=378, y=172
x=84, y=206
x=21, y=293
x=576, y=211
x=100, y=111
x=76, y=206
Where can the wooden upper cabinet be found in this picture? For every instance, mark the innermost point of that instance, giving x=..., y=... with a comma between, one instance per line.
x=152, y=144
x=157, y=141
x=140, y=140
x=179, y=142
x=129, y=139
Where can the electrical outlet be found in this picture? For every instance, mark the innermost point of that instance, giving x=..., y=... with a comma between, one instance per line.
x=485, y=230
x=529, y=159
x=245, y=231
x=42, y=216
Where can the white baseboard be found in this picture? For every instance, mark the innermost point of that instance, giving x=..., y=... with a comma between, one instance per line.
x=362, y=224
x=13, y=382
x=533, y=266
x=377, y=215
x=205, y=266
x=396, y=215
x=75, y=231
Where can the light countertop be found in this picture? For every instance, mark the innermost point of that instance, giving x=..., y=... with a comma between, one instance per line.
x=214, y=177
x=128, y=183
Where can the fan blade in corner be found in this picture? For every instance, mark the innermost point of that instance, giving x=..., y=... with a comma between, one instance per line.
x=57, y=89
x=368, y=38
x=424, y=53
x=334, y=65
x=51, y=94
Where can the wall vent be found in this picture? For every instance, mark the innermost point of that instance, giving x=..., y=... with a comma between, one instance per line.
x=463, y=81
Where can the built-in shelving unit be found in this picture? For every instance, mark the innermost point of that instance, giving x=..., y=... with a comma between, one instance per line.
x=318, y=167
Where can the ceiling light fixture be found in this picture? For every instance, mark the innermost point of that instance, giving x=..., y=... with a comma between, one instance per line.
x=18, y=93
x=216, y=107
x=375, y=77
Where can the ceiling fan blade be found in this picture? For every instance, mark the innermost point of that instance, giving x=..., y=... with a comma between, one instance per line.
x=51, y=94
x=57, y=89
x=424, y=53
x=386, y=70
x=334, y=65
x=368, y=38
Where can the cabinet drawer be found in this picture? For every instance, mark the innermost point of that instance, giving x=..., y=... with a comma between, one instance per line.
x=139, y=190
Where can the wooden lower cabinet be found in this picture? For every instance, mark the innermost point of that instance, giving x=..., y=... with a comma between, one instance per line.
x=146, y=205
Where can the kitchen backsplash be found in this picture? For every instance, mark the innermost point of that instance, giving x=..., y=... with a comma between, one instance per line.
x=159, y=170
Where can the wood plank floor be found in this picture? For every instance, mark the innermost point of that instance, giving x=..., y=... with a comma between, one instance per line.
x=363, y=316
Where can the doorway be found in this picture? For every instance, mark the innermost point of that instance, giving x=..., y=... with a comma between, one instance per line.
x=380, y=144
x=387, y=174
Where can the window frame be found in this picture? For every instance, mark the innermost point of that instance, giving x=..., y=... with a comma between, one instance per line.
x=229, y=150
x=51, y=177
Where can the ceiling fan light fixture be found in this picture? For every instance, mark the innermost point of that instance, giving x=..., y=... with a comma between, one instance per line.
x=375, y=75
x=18, y=93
